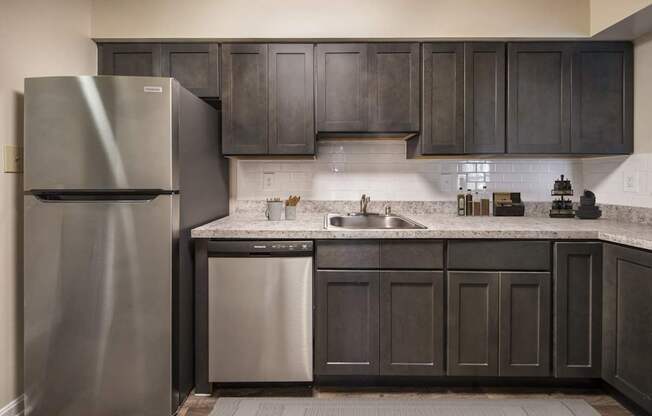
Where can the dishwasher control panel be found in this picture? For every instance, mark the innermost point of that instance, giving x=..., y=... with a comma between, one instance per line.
x=244, y=248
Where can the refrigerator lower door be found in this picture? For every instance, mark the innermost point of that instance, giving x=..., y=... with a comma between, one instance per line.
x=98, y=318
x=106, y=132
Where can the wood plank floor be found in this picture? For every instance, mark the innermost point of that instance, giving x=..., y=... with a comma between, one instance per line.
x=605, y=404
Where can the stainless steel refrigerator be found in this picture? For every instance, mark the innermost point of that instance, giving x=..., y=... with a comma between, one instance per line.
x=117, y=172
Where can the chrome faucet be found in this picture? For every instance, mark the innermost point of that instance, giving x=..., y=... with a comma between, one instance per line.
x=364, y=201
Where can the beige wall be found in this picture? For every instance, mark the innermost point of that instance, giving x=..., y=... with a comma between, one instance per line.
x=605, y=13
x=39, y=37
x=225, y=19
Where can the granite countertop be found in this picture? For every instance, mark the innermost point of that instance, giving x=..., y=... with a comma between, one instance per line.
x=311, y=226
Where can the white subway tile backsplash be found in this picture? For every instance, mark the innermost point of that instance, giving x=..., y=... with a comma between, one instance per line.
x=345, y=170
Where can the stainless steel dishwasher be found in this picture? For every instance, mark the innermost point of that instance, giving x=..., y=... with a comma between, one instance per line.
x=260, y=311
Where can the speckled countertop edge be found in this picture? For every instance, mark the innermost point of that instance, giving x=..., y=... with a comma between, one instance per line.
x=311, y=226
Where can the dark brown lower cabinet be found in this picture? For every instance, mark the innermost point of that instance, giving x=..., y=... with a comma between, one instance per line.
x=347, y=322
x=499, y=324
x=524, y=324
x=412, y=323
x=627, y=322
x=473, y=323
x=578, y=310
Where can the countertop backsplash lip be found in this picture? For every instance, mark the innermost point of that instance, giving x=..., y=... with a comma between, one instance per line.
x=620, y=213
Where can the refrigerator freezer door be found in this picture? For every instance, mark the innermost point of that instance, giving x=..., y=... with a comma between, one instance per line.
x=99, y=133
x=98, y=318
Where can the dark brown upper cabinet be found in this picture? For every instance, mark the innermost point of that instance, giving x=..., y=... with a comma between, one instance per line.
x=342, y=90
x=538, y=103
x=194, y=65
x=393, y=87
x=578, y=309
x=291, y=99
x=267, y=99
x=627, y=322
x=442, y=129
x=484, y=97
x=367, y=88
x=463, y=99
x=134, y=59
x=566, y=97
x=244, y=99
x=602, y=98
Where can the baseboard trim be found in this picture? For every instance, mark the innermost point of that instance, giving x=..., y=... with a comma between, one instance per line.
x=14, y=408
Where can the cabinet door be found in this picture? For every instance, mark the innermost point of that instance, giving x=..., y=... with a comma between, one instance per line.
x=484, y=119
x=578, y=310
x=194, y=65
x=342, y=90
x=412, y=323
x=136, y=59
x=393, y=87
x=525, y=324
x=443, y=99
x=473, y=323
x=347, y=323
x=538, y=102
x=627, y=322
x=291, y=99
x=602, y=100
x=244, y=99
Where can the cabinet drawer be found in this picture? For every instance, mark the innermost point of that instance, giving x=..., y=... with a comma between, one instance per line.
x=350, y=254
x=412, y=254
x=499, y=255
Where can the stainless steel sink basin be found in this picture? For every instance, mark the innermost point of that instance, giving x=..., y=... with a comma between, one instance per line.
x=370, y=222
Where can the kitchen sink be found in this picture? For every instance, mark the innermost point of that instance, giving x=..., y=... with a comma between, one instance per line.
x=370, y=222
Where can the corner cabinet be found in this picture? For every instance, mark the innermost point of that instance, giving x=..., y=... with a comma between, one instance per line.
x=367, y=87
x=602, y=99
x=267, y=99
x=627, y=322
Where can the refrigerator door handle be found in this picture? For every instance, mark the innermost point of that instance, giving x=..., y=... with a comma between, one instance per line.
x=95, y=197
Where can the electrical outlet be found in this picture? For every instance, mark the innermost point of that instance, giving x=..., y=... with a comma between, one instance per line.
x=630, y=182
x=268, y=181
x=13, y=158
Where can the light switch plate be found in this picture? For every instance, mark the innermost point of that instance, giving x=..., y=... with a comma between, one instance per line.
x=13, y=158
x=630, y=181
